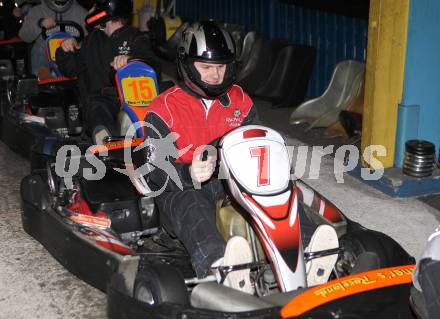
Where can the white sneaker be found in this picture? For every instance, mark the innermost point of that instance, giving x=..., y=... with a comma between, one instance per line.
x=318, y=270
x=238, y=252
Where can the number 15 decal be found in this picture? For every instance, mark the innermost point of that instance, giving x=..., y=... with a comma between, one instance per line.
x=262, y=153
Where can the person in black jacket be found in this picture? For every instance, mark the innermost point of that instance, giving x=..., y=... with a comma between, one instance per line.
x=109, y=46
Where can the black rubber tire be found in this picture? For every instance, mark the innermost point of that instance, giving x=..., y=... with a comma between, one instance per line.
x=157, y=284
x=388, y=252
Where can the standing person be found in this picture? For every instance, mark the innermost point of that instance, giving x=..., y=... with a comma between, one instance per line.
x=203, y=107
x=109, y=46
x=45, y=15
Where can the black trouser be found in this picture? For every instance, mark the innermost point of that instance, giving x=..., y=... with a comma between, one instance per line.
x=191, y=215
x=101, y=110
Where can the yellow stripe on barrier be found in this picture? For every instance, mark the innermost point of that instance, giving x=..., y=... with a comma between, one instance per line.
x=387, y=35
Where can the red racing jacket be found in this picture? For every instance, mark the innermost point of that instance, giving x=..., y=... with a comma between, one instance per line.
x=194, y=125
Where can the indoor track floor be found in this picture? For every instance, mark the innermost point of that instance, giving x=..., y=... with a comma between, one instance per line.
x=35, y=285
x=32, y=283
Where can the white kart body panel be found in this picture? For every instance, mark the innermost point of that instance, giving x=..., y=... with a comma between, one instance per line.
x=255, y=161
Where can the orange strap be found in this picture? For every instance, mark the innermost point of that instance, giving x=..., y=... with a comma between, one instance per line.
x=347, y=286
x=117, y=145
x=55, y=80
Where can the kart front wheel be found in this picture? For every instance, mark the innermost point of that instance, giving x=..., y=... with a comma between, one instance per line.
x=365, y=249
x=157, y=284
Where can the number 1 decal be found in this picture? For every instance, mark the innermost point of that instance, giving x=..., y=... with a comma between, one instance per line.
x=262, y=153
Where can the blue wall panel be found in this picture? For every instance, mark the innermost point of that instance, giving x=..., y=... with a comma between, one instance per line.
x=335, y=37
x=422, y=76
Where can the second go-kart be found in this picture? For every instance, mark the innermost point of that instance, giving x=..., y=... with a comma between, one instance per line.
x=136, y=85
x=103, y=227
x=13, y=59
x=13, y=62
x=34, y=107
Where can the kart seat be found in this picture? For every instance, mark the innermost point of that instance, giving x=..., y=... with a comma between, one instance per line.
x=56, y=106
x=48, y=99
x=231, y=223
x=236, y=31
x=168, y=50
x=246, y=49
x=272, y=52
x=113, y=187
x=257, y=67
x=345, y=85
x=287, y=83
x=115, y=195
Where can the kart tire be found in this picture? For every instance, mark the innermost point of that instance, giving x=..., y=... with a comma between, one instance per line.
x=157, y=284
x=368, y=249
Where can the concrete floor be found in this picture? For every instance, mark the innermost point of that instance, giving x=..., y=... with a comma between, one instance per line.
x=34, y=285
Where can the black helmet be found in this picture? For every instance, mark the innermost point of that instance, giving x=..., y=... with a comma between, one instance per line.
x=106, y=10
x=59, y=6
x=206, y=42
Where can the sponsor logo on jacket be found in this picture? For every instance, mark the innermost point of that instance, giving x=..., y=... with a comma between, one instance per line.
x=124, y=49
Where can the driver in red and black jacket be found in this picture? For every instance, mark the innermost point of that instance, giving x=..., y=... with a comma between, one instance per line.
x=199, y=110
x=109, y=46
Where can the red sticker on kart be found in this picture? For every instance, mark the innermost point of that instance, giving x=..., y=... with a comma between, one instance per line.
x=347, y=286
x=91, y=220
x=138, y=91
x=54, y=44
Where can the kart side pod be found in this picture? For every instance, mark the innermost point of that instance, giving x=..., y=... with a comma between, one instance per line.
x=255, y=162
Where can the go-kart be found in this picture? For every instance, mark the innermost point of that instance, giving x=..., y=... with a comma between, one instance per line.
x=136, y=85
x=36, y=108
x=13, y=62
x=104, y=229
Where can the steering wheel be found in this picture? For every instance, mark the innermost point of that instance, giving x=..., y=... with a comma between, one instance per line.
x=69, y=27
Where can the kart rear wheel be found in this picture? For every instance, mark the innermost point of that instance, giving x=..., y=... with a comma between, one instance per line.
x=366, y=249
x=157, y=284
